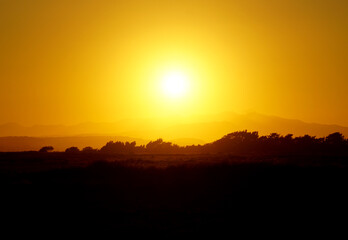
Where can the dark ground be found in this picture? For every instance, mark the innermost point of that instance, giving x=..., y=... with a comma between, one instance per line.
x=173, y=193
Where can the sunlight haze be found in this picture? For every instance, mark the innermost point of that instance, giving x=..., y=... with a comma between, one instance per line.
x=69, y=62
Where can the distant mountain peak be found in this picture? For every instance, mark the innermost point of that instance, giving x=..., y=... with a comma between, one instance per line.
x=204, y=127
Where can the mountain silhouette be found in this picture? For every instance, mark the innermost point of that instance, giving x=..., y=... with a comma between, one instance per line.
x=196, y=130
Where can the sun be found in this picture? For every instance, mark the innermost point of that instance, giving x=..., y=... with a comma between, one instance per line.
x=175, y=84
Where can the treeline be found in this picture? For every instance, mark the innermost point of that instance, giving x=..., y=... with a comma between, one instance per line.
x=240, y=142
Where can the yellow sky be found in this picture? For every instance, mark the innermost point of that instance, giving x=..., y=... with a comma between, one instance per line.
x=75, y=61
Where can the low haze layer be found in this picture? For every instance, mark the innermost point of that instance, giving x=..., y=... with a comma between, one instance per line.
x=208, y=129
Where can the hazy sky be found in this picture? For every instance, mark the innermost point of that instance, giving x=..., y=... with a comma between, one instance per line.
x=75, y=61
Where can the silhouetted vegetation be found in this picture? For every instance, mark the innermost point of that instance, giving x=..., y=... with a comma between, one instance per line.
x=46, y=149
x=89, y=150
x=72, y=150
x=241, y=181
x=239, y=143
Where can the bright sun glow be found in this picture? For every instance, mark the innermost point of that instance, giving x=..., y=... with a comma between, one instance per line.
x=175, y=84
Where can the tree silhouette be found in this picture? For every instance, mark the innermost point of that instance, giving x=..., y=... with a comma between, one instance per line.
x=89, y=150
x=46, y=149
x=240, y=142
x=160, y=147
x=118, y=148
x=72, y=150
x=335, y=138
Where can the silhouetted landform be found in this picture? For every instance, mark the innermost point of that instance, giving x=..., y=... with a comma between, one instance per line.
x=197, y=130
x=242, y=183
x=63, y=192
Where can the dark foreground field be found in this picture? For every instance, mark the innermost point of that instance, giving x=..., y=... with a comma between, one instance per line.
x=173, y=193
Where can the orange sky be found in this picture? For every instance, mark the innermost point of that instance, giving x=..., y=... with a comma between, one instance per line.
x=65, y=62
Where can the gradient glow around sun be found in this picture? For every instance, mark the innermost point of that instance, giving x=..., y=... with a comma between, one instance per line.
x=175, y=84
